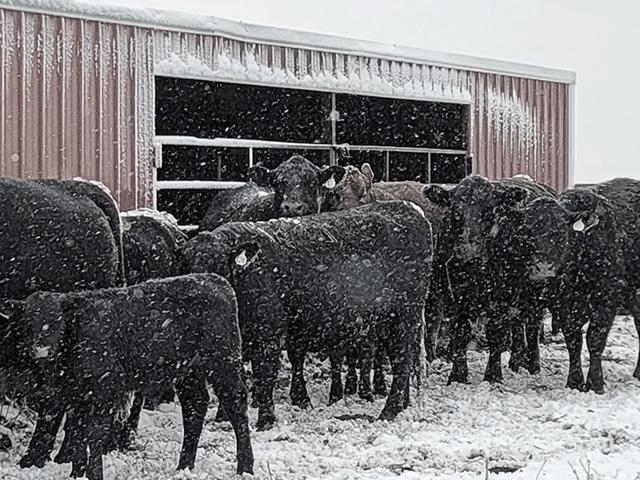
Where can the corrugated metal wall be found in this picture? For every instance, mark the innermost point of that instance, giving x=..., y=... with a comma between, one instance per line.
x=520, y=125
x=76, y=99
x=517, y=125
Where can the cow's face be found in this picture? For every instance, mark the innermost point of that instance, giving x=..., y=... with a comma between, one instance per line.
x=45, y=321
x=297, y=185
x=546, y=228
x=354, y=189
x=475, y=206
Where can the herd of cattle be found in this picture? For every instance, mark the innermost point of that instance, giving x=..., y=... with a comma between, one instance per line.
x=100, y=310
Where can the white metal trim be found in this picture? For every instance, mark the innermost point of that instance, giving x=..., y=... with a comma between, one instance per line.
x=196, y=185
x=209, y=25
x=571, y=134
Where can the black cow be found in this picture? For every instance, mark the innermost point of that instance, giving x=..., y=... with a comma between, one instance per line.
x=297, y=184
x=151, y=242
x=249, y=203
x=97, y=347
x=59, y=236
x=478, y=270
x=587, y=250
x=329, y=282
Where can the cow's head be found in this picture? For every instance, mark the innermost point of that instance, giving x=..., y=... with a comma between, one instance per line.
x=475, y=208
x=546, y=230
x=558, y=230
x=45, y=320
x=297, y=185
x=223, y=251
x=352, y=190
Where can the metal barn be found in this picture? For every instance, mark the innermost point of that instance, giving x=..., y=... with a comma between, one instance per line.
x=166, y=109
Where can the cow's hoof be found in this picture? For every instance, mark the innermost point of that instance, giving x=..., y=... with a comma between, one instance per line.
x=265, y=423
x=493, y=377
x=389, y=413
x=534, y=368
x=596, y=387
x=350, y=385
x=29, y=461
x=380, y=385
x=221, y=415
x=367, y=396
x=62, y=457
x=576, y=382
x=304, y=402
x=515, y=363
x=457, y=377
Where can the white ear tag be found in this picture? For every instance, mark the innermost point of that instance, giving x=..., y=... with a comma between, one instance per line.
x=579, y=226
x=241, y=259
x=494, y=230
x=330, y=184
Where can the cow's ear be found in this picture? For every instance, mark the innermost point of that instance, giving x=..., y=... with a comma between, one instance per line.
x=260, y=175
x=509, y=195
x=437, y=195
x=329, y=177
x=368, y=173
x=246, y=254
x=582, y=222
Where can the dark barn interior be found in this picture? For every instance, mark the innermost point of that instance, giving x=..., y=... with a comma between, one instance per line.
x=207, y=109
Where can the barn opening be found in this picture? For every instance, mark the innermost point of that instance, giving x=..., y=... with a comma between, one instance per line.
x=390, y=134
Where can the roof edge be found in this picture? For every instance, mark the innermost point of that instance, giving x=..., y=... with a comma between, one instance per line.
x=210, y=25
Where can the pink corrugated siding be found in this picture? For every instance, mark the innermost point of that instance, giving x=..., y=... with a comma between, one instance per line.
x=69, y=102
x=520, y=125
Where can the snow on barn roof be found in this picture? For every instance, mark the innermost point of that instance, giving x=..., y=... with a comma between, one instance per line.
x=209, y=25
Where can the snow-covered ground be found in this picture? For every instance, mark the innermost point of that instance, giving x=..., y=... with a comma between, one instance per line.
x=531, y=427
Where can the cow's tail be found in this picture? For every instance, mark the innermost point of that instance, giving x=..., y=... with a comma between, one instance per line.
x=420, y=369
x=104, y=200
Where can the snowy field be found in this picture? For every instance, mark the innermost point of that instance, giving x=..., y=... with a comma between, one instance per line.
x=529, y=428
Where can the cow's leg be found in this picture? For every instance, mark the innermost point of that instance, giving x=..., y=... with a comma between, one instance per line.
x=572, y=331
x=231, y=391
x=401, y=361
x=460, y=337
x=497, y=337
x=556, y=321
x=98, y=436
x=379, y=380
x=366, y=363
x=597, y=334
x=79, y=430
x=194, y=398
x=634, y=307
x=351, y=382
x=44, y=435
x=518, y=343
x=298, y=393
x=534, y=324
x=265, y=370
x=131, y=424
x=434, y=321
x=336, y=392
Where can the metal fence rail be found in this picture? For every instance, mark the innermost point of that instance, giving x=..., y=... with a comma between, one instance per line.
x=251, y=145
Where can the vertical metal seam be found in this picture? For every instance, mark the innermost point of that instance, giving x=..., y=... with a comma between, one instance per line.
x=118, y=124
x=83, y=99
x=63, y=93
x=23, y=94
x=43, y=102
x=3, y=59
x=100, y=74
